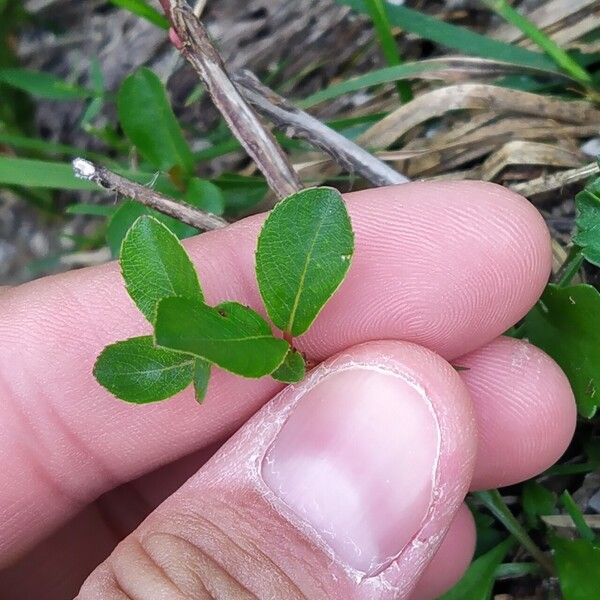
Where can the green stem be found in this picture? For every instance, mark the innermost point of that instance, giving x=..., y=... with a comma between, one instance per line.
x=387, y=42
x=493, y=501
x=585, y=531
x=570, y=267
x=538, y=37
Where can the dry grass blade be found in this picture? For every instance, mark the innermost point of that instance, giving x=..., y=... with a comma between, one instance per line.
x=528, y=153
x=556, y=181
x=477, y=138
x=474, y=97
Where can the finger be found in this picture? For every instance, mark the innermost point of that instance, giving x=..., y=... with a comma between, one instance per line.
x=342, y=487
x=514, y=387
x=451, y=560
x=525, y=409
x=421, y=272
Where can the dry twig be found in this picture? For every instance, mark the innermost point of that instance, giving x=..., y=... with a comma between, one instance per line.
x=84, y=169
x=195, y=45
x=299, y=124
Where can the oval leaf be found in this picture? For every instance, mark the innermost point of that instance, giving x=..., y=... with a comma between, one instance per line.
x=231, y=335
x=303, y=254
x=155, y=266
x=136, y=371
x=578, y=566
x=292, y=369
x=148, y=121
x=587, y=203
x=565, y=323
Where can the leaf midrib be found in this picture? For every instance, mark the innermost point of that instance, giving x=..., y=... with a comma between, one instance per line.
x=303, y=275
x=161, y=370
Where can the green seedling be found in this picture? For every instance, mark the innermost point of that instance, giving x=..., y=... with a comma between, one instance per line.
x=303, y=254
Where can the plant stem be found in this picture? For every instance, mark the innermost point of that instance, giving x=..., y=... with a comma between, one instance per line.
x=493, y=501
x=538, y=37
x=388, y=44
x=299, y=124
x=84, y=169
x=195, y=45
x=570, y=267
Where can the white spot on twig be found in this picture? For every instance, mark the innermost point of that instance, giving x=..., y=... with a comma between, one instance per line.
x=83, y=169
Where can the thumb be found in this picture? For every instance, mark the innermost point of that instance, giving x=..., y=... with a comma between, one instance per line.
x=341, y=487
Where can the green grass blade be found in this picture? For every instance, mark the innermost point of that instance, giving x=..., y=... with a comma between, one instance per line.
x=538, y=37
x=585, y=531
x=445, y=67
x=141, y=9
x=383, y=27
x=41, y=173
x=458, y=38
x=494, y=502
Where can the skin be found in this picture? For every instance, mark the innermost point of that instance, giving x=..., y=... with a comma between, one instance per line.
x=440, y=271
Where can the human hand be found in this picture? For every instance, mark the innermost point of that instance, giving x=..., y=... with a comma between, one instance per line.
x=341, y=487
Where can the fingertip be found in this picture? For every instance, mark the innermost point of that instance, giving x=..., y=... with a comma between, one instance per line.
x=525, y=409
x=454, y=264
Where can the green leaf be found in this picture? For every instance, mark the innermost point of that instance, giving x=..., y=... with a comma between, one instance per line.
x=304, y=251
x=477, y=582
x=205, y=195
x=42, y=85
x=135, y=371
x=155, y=266
x=148, y=121
x=142, y=9
x=578, y=566
x=537, y=501
x=125, y=216
x=292, y=369
x=231, y=335
x=459, y=38
x=42, y=174
x=201, y=377
x=587, y=203
x=120, y=223
x=565, y=323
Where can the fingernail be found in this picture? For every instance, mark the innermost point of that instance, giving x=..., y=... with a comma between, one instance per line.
x=356, y=460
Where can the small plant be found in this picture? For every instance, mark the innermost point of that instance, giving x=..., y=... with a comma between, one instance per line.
x=303, y=254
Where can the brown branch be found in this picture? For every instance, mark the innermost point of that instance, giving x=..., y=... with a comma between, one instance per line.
x=195, y=45
x=299, y=124
x=84, y=169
